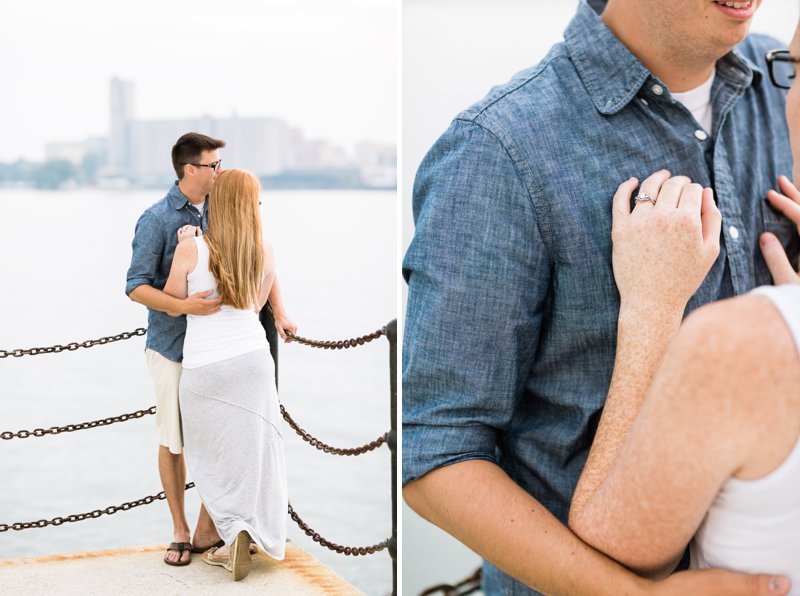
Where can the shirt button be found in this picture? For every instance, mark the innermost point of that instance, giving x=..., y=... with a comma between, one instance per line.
x=734, y=232
x=701, y=135
x=657, y=89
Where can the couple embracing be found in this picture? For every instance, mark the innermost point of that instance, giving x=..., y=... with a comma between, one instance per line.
x=201, y=267
x=559, y=417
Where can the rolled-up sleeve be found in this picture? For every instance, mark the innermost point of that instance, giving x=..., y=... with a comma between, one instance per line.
x=148, y=248
x=478, y=274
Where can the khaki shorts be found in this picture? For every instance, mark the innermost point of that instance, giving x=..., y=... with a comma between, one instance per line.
x=166, y=376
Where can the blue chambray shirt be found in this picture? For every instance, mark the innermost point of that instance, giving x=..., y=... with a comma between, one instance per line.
x=154, y=244
x=512, y=306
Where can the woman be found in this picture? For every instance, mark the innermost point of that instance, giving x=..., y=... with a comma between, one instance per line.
x=709, y=445
x=229, y=404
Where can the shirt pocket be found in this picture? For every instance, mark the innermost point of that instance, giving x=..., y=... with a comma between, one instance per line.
x=786, y=231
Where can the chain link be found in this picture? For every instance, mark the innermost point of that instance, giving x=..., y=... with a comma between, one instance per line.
x=89, y=343
x=55, y=430
x=57, y=521
x=314, y=442
x=71, y=347
x=353, y=551
x=462, y=588
x=76, y=517
x=341, y=344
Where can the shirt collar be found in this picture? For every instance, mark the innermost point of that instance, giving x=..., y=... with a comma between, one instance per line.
x=176, y=198
x=613, y=75
x=739, y=69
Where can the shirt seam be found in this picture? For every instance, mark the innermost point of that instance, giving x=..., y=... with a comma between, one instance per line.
x=518, y=160
x=467, y=115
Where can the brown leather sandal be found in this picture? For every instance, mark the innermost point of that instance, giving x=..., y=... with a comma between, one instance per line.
x=179, y=547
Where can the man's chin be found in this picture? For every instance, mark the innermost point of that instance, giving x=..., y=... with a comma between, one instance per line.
x=732, y=34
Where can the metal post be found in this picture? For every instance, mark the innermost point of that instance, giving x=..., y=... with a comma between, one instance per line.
x=391, y=335
x=267, y=320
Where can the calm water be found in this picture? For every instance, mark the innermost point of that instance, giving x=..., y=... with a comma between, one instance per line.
x=63, y=258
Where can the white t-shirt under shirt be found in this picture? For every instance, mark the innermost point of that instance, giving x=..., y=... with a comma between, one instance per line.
x=754, y=525
x=698, y=102
x=227, y=333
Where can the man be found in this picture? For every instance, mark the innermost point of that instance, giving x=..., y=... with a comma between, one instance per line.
x=512, y=306
x=196, y=160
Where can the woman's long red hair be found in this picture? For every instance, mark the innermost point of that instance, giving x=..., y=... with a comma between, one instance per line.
x=235, y=244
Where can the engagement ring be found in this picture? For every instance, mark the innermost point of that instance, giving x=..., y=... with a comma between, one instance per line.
x=643, y=196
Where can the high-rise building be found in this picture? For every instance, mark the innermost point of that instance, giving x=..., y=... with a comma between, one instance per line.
x=122, y=113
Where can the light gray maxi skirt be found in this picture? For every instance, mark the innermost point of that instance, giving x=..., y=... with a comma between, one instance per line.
x=233, y=436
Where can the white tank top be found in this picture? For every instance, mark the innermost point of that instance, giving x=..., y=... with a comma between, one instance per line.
x=754, y=525
x=227, y=333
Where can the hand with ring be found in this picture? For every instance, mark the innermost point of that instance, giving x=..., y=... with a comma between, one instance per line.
x=665, y=246
x=189, y=232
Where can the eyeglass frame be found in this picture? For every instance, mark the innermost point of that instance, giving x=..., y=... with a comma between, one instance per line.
x=214, y=166
x=779, y=56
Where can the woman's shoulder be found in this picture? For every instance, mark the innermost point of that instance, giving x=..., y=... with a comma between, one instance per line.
x=748, y=350
x=737, y=327
x=269, y=256
x=739, y=352
x=744, y=370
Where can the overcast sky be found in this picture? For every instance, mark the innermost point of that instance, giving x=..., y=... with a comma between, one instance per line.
x=327, y=67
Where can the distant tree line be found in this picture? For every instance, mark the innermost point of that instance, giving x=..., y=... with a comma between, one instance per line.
x=53, y=173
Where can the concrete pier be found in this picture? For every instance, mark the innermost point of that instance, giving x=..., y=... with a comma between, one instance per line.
x=140, y=570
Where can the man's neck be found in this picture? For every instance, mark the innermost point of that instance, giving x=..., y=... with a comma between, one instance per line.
x=679, y=72
x=195, y=198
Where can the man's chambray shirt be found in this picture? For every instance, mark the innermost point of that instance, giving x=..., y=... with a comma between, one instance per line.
x=154, y=246
x=512, y=306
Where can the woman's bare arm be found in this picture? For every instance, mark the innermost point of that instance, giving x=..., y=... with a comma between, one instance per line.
x=271, y=289
x=268, y=277
x=661, y=253
x=706, y=415
x=183, y=263
x=649, y=480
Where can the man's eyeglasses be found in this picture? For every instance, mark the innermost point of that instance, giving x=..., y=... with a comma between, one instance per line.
x=781, y=66
x=214, y=166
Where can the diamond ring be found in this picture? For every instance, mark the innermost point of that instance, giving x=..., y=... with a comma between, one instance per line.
x=643, y=196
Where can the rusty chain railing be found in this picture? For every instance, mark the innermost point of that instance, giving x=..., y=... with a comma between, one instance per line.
x=55, y=430
x=341, y=344
x=342, y=550
x=390, y=437
x=467, y=586
x=57, y=521
x=71, y=347
x=76, y=517
x=314, y=442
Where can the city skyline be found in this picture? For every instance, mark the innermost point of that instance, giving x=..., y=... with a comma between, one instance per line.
x=134, y=150
x=320, y=68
